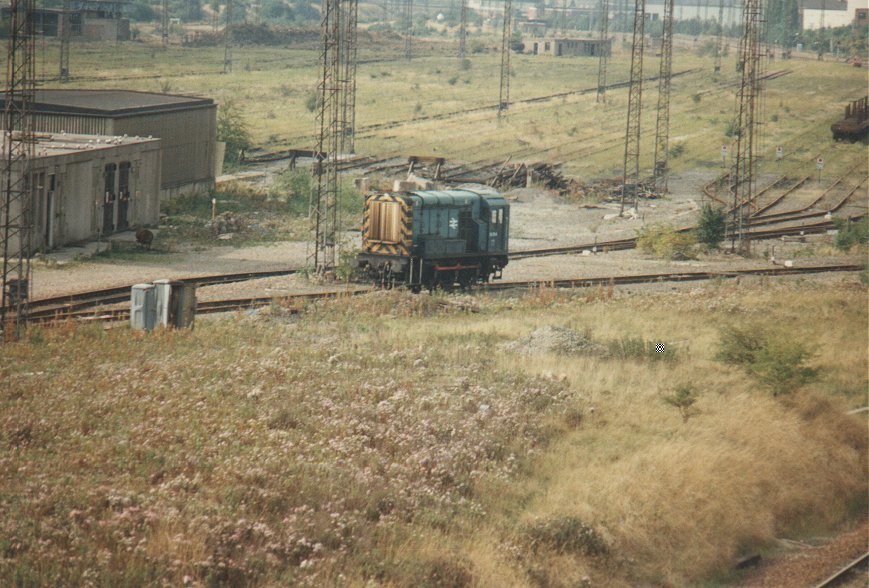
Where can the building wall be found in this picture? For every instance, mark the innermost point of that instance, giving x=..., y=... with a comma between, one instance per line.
x=68, y=193
x=565, y=47
x=188, y=138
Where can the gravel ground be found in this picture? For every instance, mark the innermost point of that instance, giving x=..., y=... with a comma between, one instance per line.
x=538, y=220
x=800, y=565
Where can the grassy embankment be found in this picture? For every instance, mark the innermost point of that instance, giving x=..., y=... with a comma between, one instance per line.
x=392, y=439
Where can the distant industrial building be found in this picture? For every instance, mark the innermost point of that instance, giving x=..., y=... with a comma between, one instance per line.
x=186, y=126
x=567, y=46
x=90, y=20
x=86, y=186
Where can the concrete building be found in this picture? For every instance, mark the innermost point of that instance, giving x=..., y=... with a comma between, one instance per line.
x=833, y=13
x=92, y=20
x=186, y=126
x=85, y=186
x=566, y=46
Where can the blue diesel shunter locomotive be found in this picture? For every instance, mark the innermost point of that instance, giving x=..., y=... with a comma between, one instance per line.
x=435, y=238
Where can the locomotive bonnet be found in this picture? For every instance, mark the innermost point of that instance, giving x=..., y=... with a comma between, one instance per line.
x=435, y=238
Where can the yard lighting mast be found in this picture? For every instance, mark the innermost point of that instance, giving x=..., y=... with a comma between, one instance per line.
x=506, y=36
x=17, y=154
x=603, y=57
x=323, y=209
x=227, y=39
x=662, y=126
x=748, y=100
x=631, y=176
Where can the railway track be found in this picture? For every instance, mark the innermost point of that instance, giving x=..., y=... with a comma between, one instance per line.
x=75, y=304
x=851, y=572
x=631, y=242
x=241, y=304
x=672, y=277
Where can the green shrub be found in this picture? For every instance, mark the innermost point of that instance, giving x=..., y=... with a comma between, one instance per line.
x=665, y=242
x=233, y=130
x=851, y=233
x=676, y=150
x=712, y=225
x=312, y=101
x=641, y=349
x=775, y=360
x=683, y=398
x=566, y=534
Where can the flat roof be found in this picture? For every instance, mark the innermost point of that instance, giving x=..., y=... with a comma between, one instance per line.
x=111, y=102
x=53, y=144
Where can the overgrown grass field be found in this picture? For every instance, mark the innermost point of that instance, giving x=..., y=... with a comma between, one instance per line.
x=399, y=440
x=273, y=87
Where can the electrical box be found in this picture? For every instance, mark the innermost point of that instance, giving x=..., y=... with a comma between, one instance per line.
x=176, y=303
x=143, y=307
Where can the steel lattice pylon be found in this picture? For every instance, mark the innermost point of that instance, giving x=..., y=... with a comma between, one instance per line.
x=506, y=34
x=463, y=29
x=408, y=29
x=227, y=39
x=65, y=37
x=719, y=40
x=603, y=58
x=164, y=22
x=662, y=125
x=17, y=152
x=742, y=178
x=349, y=20
x=323, y=209
x=630, y=183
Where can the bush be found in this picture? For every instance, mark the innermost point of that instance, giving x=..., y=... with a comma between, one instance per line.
x=683, y=398
x=639, y=348
x=676, y=150
x=565, y=535
x=312, y=101
x=712, y=225
x=665, y=242
x=851, y=233
x=233, y=130
x=775, y=360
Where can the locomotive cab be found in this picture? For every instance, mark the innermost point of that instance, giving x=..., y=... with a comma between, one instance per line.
x=435, y=238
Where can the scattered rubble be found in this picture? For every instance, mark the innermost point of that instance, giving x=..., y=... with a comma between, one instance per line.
x=554, y=339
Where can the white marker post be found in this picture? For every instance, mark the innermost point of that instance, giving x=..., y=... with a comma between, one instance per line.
x=724, y=156
x=779, y=154
x=820, y=165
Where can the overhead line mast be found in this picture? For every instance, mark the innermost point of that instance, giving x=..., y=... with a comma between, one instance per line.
x=349, y=21
x=65, y=37
x=748, y=101
x=631, y=176
x=15, y=174
x=408, y=29
x=719, y=40
x=506, y=35
x=324, y=193
x=662, y=125
x=227, y=39
x=164, y=22
x=463, y=29
x=603, y=57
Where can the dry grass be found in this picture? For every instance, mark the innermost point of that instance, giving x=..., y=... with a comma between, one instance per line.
x=272, y=84
x=390, y=439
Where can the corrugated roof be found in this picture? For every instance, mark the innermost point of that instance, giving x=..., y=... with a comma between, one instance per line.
x=52, y=144
x=824, y=5
x=111, y=102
